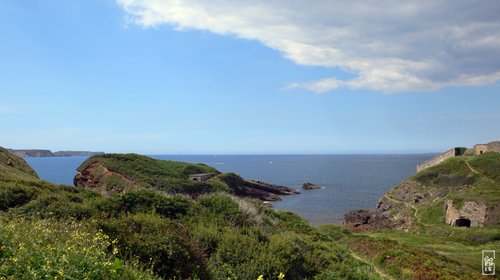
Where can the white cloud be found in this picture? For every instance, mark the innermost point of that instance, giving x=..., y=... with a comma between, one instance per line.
x=390, y=45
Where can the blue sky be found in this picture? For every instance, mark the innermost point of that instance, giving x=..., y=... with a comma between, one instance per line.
x=245, y=77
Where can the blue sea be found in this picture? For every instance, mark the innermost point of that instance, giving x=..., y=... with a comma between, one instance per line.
x=347, y=181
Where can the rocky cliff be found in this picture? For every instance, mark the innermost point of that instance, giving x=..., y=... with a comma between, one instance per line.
x=117, y=173
x=461, y=191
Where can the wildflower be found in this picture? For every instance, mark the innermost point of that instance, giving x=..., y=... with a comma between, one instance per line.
x=281, y=276
x=261, y=277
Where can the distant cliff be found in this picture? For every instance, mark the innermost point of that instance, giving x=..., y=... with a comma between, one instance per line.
x=48, y=153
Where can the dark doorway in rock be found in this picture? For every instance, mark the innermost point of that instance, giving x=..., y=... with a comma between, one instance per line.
x=462, y=222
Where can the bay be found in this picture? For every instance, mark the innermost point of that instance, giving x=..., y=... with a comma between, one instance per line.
x=347, y=181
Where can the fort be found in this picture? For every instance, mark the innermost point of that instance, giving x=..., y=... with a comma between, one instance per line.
x=458, y=151
x=441, y=157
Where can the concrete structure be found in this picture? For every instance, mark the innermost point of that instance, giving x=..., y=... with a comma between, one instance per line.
x=471, y=214
x=201, y=177
x=490, y=147
x=458, y=151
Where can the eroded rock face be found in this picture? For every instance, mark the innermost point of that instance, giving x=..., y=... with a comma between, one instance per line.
x=98, y=177
x=361, y=220
x=261, y=190
x=470, y=214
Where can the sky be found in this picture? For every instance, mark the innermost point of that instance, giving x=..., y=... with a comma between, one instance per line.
x=249, y=77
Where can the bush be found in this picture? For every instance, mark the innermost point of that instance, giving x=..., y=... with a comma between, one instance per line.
x=58, y=206
x=147, y=200
x=13, y=196
x=219, y=208
x=47, y=249
x=159, y=243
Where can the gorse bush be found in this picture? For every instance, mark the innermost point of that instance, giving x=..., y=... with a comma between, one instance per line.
x=142, y=200
x=49, y=249
x=159, y=243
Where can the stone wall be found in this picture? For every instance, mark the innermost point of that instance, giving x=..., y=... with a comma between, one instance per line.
x=440, y=158
x=473, y=211
x=490, y=147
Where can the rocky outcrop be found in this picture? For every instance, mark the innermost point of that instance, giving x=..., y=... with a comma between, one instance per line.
x=468, y=214
x=255, y=188
x=271, y=188
x=118, y=173
x=310, y=186
x=98, y=177
x=361, y=220
x=460, y=191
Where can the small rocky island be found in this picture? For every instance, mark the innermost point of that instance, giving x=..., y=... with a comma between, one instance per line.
x=310, y=186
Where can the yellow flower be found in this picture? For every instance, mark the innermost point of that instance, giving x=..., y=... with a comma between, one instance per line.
x=281, y=276
x=261, y=277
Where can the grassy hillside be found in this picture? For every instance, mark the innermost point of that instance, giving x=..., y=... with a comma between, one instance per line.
x=60, y=232
x=146, y=170
x=118, y=173
x=420, y=199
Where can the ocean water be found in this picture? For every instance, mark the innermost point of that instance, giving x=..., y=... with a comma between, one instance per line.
x=347, y=181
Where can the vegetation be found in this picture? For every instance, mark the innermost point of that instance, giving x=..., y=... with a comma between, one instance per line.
x=60, y=232
x=166, y=176
x=460, y=179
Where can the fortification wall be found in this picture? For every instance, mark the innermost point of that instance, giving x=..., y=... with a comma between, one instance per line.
x=490, y=147
x=436, y=160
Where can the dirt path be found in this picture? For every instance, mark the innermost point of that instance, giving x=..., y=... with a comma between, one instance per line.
x=378, y=270
x=470, y=167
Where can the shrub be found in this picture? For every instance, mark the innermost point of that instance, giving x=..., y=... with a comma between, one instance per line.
x=13, y=196
x=144, y=200
x=159, y=243
x=46, y=249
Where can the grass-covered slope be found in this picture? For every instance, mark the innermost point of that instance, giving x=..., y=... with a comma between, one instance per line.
x=146, y=170
x=118, y=172
x=417, y=205
x=12, y=166
x=58, y=232
x=421, y=197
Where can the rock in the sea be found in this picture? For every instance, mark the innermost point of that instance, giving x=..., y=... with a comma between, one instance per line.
x=310, y=186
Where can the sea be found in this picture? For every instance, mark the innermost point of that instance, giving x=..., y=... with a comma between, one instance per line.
x=347, y=182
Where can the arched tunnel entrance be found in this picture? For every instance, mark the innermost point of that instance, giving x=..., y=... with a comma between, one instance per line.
x=462, y=222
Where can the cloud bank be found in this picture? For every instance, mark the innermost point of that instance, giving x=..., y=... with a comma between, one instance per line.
x=389, y=45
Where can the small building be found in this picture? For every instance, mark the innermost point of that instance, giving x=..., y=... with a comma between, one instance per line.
x=490, y=147
x=201, y=177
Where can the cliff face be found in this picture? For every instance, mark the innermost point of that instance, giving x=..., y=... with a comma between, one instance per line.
x=97, y=176
x=118, y=173
x=461, y=191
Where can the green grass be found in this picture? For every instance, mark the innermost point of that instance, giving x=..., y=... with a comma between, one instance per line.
x=167, y=176
x=51, y=231
x=60, y=232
